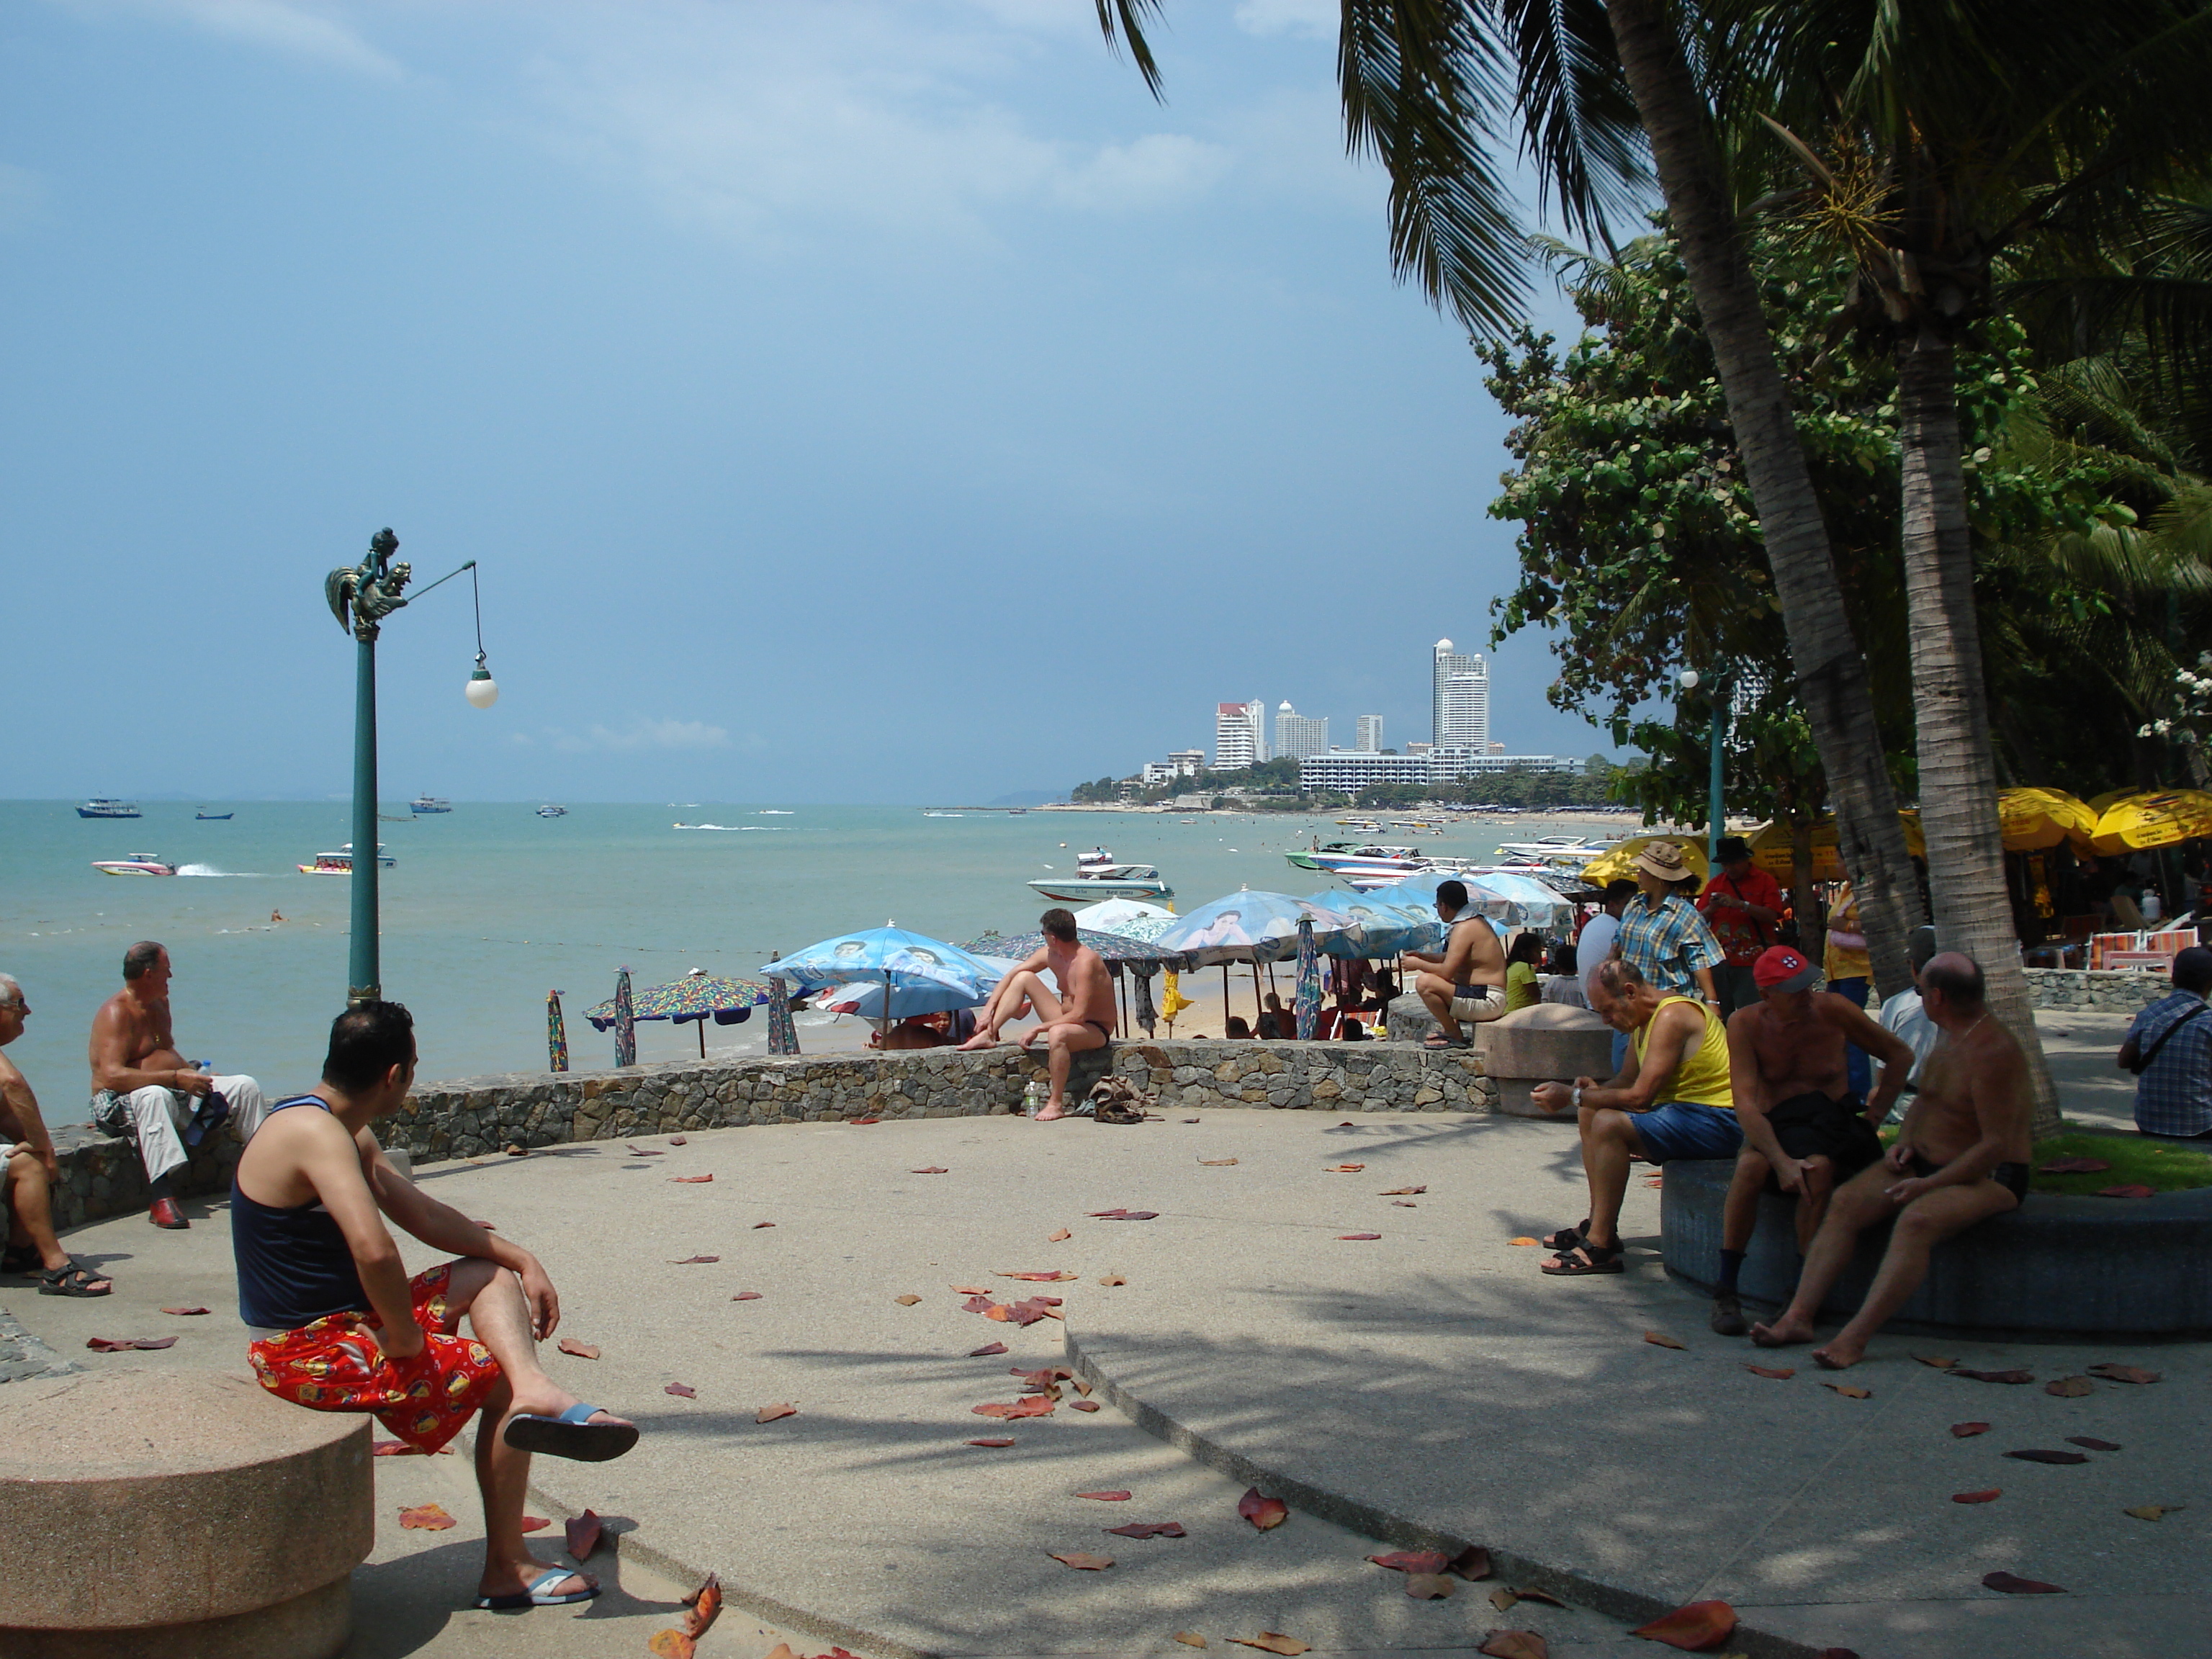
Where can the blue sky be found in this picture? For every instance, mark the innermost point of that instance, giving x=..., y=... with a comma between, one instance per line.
x=845, y=401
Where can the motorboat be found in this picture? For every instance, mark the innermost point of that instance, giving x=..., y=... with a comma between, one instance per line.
x=1362, y=826
x=1573, y=850
x=932, y=813
x=204, y=817
x=137, y=864
x=1347, y=857
x=340, y=863
x=552, y=812
x=1096, y=858
x=1107, y=881
x=423, y=804
x=100, y=807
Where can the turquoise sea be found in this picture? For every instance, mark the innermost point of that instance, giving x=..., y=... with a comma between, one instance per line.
x=489, y=906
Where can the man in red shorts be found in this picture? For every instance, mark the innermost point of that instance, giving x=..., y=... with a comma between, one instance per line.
x=340, y=1327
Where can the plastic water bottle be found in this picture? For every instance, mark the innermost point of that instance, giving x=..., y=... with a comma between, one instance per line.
x=2152, y=908
x=1032, y=1099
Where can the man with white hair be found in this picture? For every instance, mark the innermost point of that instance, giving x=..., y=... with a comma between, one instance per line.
x=28, y=1169
x=142, y=1085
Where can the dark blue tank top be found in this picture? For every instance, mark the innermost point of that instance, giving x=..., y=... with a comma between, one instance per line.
x=293, y=1266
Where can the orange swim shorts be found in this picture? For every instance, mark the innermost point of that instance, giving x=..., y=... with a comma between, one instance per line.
x=336, y=1365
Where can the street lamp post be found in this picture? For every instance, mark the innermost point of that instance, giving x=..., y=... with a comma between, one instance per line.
x=1714, y=807
x=360, y=596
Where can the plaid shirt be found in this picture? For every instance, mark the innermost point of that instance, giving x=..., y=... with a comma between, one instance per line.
x=2174, y=1095
x=1669, y=944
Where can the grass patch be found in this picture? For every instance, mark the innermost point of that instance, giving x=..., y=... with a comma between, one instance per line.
x=2135, y=1162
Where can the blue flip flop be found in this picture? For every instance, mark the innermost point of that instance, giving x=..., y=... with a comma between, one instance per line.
x=538, y=1594
x=571, y=1435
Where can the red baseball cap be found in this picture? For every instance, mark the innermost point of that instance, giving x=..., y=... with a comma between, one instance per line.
x=1781, y=969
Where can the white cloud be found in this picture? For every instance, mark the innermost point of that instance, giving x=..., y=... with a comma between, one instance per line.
x=1316, y=19
x=299, y=29
x=641, y=734
x=1155, y=169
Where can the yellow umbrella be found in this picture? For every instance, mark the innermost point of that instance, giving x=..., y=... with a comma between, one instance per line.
x=1622, y=860
x=2033, y=819
x=2147, y=819
x=1772, y=851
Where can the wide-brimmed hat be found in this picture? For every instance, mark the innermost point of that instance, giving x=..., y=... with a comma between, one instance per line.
x=1664, y=860
x=1781, y=969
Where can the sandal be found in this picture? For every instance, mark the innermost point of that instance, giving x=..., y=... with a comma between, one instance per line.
x=572, y=1434
x=1585, y=1260
x=1436, y=1043
x=72, y=1280
x=539, y=1594
x=1567, y=1238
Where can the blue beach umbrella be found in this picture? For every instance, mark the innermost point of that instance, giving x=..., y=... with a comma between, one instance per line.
x=1379, y=924
x=898, y=960
x=1308, y=1003
x=1510, y=900
x=1245, y=927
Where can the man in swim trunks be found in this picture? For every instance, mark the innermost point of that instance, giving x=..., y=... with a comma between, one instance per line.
x=340, y=1327
x=1670, y=1099
x=1962, y=1155
x=1467, y=982
x=1804, y=1130
x=1081, y=1017
x=29, y=1172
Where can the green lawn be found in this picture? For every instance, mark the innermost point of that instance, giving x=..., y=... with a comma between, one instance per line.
x=2135, y=1162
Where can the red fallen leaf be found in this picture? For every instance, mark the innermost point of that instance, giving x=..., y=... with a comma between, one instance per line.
x=1042, y=1375
x=970, y=1290
x=2012, y=1586
x=1273, y=1641
x=932, y=1170
x=581, y=1350
x=1661, y=1339
x=2037, y=1455
x=980, y=1302
x=1472, y=1563
x=1126, y=1215
x=184, y=1312
x=1428, y=1586
x=2114, y=1373
x=1347, y=1124
x=1938, y=1361
x=1412, y=1560
x=769, y=1414
x=1082, y=1561
x=2073, y=1166
x=1052, y=1278
x=534, y=1524
x=1106, y=1497
x=1989, y=1497
x=1082, y=1405
x=694, y=1260
x=124, y=1344
x=987, y=1349
x=1403, y=1192
x=758, y=1225
x=1850, y=1391
x=1403, y=1204
x=1656, y=1181
x=690, y=1181
x=1212, y=1163
x=2091, y=1443
x=1190, y=1638
x=1148, y=1529
x=1779, y=1374
x=860, y=1122
x=1968, y=1430
x=1262, y=1512
x=1994, y=1377
x=1515, y=1645
x=426, y=1517
x=1357, y=1238
x=1063, y=1234
x=1344, y=1169
x=1034, y=1406
x=746, y=1296
x=2129, y=1191
x=995, y=1441
x=677, y=1140
x=681, y=1391
x=1545, y=1596
x=2070, y=1387
x=1695, y=1629
x=672, y=1645
x=1524, y=1242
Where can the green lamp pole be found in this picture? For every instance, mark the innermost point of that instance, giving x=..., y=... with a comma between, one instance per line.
x=360, y=596
x=1716, y=809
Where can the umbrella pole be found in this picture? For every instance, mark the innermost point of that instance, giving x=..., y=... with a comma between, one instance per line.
x=703, y=1039
x=1224, y=999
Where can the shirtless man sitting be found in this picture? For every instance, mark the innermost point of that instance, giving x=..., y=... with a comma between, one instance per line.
x=1467, y=982
x=1962, y=1155
x=139, y=1078
x=28, y=1169
x=1080, y=1018
x=1804, y=1130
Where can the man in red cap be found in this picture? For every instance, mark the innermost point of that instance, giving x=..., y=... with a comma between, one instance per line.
x=1803, y=1129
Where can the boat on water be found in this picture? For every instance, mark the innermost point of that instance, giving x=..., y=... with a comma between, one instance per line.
x=100, y=807
x=1361, y=826
x=340, y=863
x=1108, y=881
x=551, y=812
x=1347, y=857
x=1096, y=858
x=1573, y=851
x=206, y=817
x=423, y=804
x=931, y=812
x=136, y=864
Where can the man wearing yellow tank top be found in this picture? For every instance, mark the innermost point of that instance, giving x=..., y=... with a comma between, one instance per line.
x=1670, y=1099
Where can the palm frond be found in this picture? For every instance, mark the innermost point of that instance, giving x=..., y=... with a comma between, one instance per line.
x=1123, y=21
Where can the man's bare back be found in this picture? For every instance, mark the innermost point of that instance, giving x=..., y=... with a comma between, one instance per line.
x=1796, y=1057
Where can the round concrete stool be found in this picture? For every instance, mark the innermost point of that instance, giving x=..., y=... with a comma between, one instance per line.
x=1551, y=1043
x=188, y=1514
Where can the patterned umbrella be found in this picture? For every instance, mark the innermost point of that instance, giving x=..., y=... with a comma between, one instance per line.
x=1111, y=947
x=782, y=1034
x=1144, y=1013
x=1379, y=925
x=695, y=996
x=556, y=1034
x=625, y=1026
x=1245, y=927
x=896, y=959
x=1505, y=897
x=1308, y=1002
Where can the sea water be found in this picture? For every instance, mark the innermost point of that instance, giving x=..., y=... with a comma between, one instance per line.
x=489, y=906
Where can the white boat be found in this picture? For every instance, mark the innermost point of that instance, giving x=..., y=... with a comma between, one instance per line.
x=552, y=812
x=138, y=864
x=1096, y=858
x=1362, y=826
x=1572, y=850
x=1110, y=881
x=340, y=863
x=1347, y=858
x=429, y=803
x=100, y=807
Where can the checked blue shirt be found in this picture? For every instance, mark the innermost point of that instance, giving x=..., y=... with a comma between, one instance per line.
x=2174, y=1095
x=1669, y=944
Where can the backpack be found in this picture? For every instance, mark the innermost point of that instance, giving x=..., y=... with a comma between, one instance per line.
x=1116, y=1100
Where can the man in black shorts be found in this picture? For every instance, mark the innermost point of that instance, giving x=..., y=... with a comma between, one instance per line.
x=1804, y=1130
x=1961, y=1156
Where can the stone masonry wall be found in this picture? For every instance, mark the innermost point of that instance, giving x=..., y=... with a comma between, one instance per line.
x=2113, y=990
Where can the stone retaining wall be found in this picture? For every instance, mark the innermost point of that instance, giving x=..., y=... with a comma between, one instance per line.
x=2111, y=990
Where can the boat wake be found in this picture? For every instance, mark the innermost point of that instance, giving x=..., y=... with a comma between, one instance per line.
x=210, y=869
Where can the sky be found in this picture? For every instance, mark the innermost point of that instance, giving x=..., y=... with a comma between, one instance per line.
x=854, y=401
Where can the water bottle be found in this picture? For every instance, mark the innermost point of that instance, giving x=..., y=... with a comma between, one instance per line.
x=1032, y=1097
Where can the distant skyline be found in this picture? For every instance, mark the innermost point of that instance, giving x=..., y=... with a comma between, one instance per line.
x=856, y=402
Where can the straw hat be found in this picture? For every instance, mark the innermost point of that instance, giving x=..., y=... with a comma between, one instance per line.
x=1664, y=860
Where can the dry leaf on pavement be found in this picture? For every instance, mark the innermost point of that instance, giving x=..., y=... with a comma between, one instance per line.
x=1936, y=1360
x=1082, y=1561
x=1057, y=1237
x=706, y=1603
x=988, y=1348
x=425, y=1517
x=682, y=1391
x=1412, y=1560
x=2114, y=1373
x=1428, y=1586
x=1404, y=1191
x=769, y=1414
x=2154, y=1512
x=932, y=1170
x=2091, y=1443
x=694, y=1260
x=746, y=1296
x=2013, y=1586
x=2070, y=1387
x=1190, y=1638
x=184, y=1311
x=1472, y=1563
x=1082, y=1405
x=124, y=1344
x=534, y=1524
x=677, y=1140
x=1849, y=1390
x=1968, y=1430
x=1052, y=1278
x=905, y=1301
x=1694, y=1628
x=1148, y=1529
x=1989, y=1497
x=1344, y=1169
x=1515, y=1645
x=690, y=1181
x=1262, y=1512
x=758, y=1225
x=1106, y=1497
x=2015, y=1377
x=672, y=1645
x=2038, y=1456
x=1545, y=1596
x=1779, y=1373
x=581, y=1350
x=1217, y=1163
x=995, y=1440
x=583, y=1535
x=1523, y=1241
x=1357, y=1238
x=1113, y=1279
x=1274, y=1642
x=2132, y=1190
x=1502, y=1599
x=1661, y=1339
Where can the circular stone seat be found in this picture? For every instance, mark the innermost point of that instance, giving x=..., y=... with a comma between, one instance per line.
x=184, y=1513
x=2079, y=1266
x=1553, y=1042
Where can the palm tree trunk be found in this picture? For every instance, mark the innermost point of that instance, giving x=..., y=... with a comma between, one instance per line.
x=1832, y=673
x=1958, y=768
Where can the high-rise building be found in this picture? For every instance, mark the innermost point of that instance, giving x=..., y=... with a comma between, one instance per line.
x=1187, y=762
x=1369, y=727
x=1297, y=735
x=1240, y=735
x=1459, y=700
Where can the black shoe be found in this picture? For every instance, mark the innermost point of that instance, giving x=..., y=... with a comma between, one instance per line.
x=1727, y=1314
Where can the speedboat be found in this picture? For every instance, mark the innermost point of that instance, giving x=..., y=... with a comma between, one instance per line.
x=138, y=864
x=1362, y=826
x=429, y=803
x=552, y=812
x=1572, y=850
x=98, y=807
x=1347, y=858
x=1096, y=858
x=204, y=817
x=340, y=863
x=1106, y=881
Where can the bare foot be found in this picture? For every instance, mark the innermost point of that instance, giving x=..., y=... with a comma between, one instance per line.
x=514, y=1577
x=1839, y=1355
x=1783, y=1332
x=1052, y=1108
x=981, y=1040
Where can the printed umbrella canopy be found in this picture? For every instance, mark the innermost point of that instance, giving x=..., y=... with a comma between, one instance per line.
x=625, y=1024
x=1246, y=926
x=1773, y=847
x=2033, y=819
x=1306, y=1003
x=1502, y=897
x=2145, y=819
x=1112, y=947
x=1380, y=924
x=1131, y=918
x=696, y=996
x=556, y=1034
x=1622, y=860
x=893, y=957
x=867, y=998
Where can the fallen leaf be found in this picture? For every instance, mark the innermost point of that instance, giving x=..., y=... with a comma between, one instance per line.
x=518, y=1151
x=1347, y=1124
x=534, y=1524
x=124, y=1344
x=2114, y=1373
x=581, y=1350
x=395, y=1448
x=970, y=1290
x=426, y=1517
x=1989, y=1497
x=681, y=1391
x=1968, y=1430
x=1472, y=1563
x=1502, y=1599
x=2091, y=1443
x=1515, y=1645
x=2012, y=1586
x=987, y=1349
x=1036, y=1406
x=1357, y=1238
x=1081, y=1561
x=677, y=1140
x=1190, y=1638
x=1938, y=1361
x=2073, y=1166
x=2070, y=1387
x=2154, y=1512
x=1106, y=1497
x=1193, y=1120
x=1217, y=1163
x=2129, y=1191
x=746, y=1296
x=1344, y=1169
x=645, y=1152
x=1524, y=1242
x=1060, y=1236
x=1656, y=1181
x=1779, y=1374
x=782, y=1650
x=672, y=1645
x=688, y=1181
x=1850, y=1391
x=1545, y=1596
x=1042, y=1375
x=2037, y=1456
x=694, y=1260
x=932, y=1170
x=184, y=1312
x=1992, y=1376
x=1404, y=1191
x=1696, y=1628
x=1412, y=1560
x=1661, y=1339
x=1125, y=1215
x=1113, y=1279
x=905, y=1301
x=1428, y=1586
x=758, y=1225
x=1148, y=1529
x=1262, y=1512
x=1052, y=1278
x=995, y=1441
x=862, y=1123
x=1081, y=1388
x=705, y=1604
x=1082, y=1405
x=1274, y=1642
x=769, y=1414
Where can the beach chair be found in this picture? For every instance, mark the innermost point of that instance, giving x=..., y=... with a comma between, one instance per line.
x=2103, y=946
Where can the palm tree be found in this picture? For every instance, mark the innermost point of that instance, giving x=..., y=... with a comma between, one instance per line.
x=1438, y=89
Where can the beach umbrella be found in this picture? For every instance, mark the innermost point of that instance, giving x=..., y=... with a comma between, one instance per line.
x=1245, y=927
x=1145, y=1015
x=1131, y=918
x=897, y=959
x=556, y=1034
x=2147, y=819
x=1308, y=1000
x=625, y=1026
x=2033, y=819
x=1773, y=849
x=1111, y=947
x=1379, y=924
x=1504, y=900
x=782, y=1034
x=699, y=995
x=1622, y=860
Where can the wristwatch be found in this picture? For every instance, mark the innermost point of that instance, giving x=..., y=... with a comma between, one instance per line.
x=1578, y=1096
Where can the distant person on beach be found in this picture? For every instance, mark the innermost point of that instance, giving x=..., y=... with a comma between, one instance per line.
x=142, y=1086
x=1742, y=905
x=1803, y=1129
x=28, y=1169
x=1522, y=990
x=1081, y=1017
x=1278, y=1022
x=917, y=1031
x=1961, y=1156
x=339, y=1326
x=276, y=915
x=2169, y=1048
x=1467, y=980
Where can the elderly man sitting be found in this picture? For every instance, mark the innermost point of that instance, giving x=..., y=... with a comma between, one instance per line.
x=29, y=1170
x=1670, y=1099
